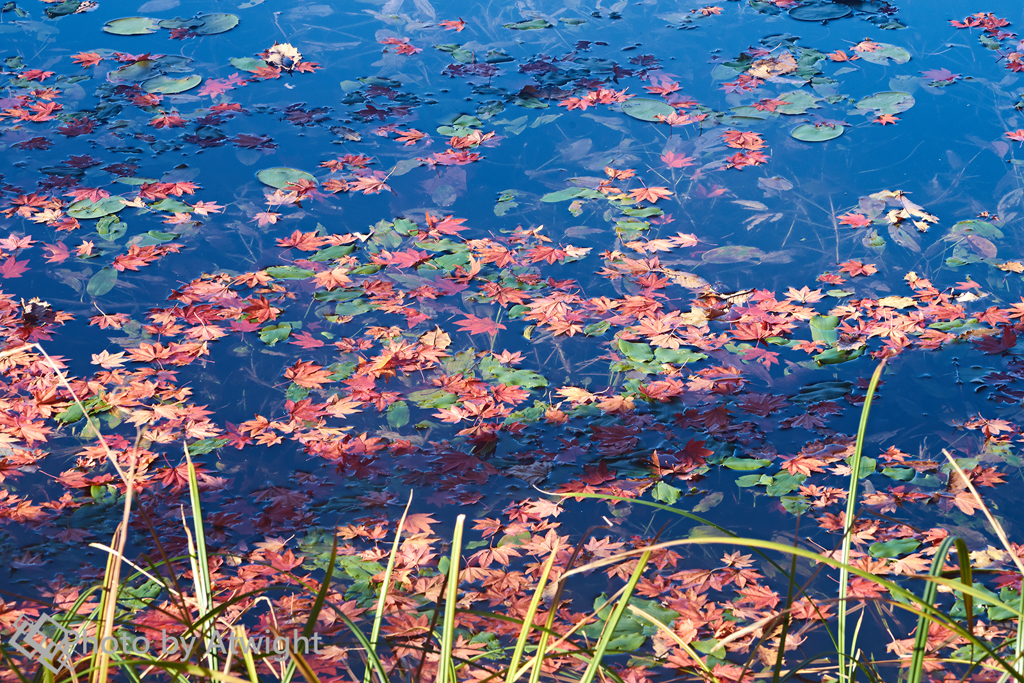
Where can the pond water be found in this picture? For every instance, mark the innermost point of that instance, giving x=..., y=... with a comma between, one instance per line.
x=486, y=254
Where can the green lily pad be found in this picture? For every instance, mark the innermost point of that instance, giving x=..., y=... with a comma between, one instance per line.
x=797, y=102
x=177, y=22
x=132, y=26
x=133, y=73
x=823, y=328
x=171, y=86
x=216, y=23
x=886, y=53
x=86, y=208
x=734, y=254
x=289, y=273
x=646, y=109
x=102, y=282
x=893, y=548
x=820, y=133
x=820, y=12
x=886, y=103
x=529, y=25
x=280, y=176
x=247, y=63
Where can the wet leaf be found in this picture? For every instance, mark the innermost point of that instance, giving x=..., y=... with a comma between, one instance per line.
x=86, y=208
x=171, y=86
x=817, y=133
x=820, y=12
x=894, y=548
x=884, y=54
x=213, y=24
x=646, y=109
x=533, y=25
x=281, y=176
x=886, y=103
x=102, y=282
x=132, y=26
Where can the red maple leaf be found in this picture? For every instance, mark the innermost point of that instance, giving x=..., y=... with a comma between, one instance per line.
x=86, y=59
x=1017, y=135
x=303, y=241
x=854, y=220
x=306, y=341
x=308, y=374
x=676, y=160
x=475, y=325
x=991, y=344
x=12, y=268
x=57, y=252
x=449, y=25
x=858, y=268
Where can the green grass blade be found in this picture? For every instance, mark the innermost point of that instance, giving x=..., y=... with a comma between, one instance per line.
x=445, y=665
x=916, y=670
x=777, y=670
x=851, y=508
x=378, y=616
x=613, y=620
x=524, y=633
x=201, y=566
x=963, y=556
x=297, y=662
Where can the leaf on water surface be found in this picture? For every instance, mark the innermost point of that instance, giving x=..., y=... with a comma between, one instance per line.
x=86, y=208
x=250, y=64
x=213, y=24
x=280, y=176
x=822, y=13
x=733, y=254
x=533, y=25
x=646, y=109
x=132, y=26
x=883, y=53
x=894, y=548
x=817, y=133
x=102, y=282
x=171, y=86
x=886, y=103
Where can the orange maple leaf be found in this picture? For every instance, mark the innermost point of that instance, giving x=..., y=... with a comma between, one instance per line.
x=308, y=374
x=650, y=194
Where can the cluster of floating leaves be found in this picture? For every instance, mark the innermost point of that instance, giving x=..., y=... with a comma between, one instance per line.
x=423, y=349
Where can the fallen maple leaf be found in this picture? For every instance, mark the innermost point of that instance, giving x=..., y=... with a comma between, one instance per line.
x=449, y=25
x=12, y=268
x=650, y=194
x=676, y=160
x=475, y=325
x=858, y=268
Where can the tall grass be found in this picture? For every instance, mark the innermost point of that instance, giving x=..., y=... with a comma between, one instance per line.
x=534, y=645
x=848, y=650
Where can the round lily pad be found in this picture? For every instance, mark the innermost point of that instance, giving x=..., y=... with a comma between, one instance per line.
x=797, y=102
x=820, y=133
x=280, y=176
x=170, y=86
x=86, y=208
x=733, y=254
x=216, y=23
x=884, y=53
x=826, y=12
x=177, y=22
x=133, y=73
x=247, y=63
x=132, y=26
x=646, y=109
x=886, y=103
x=174, y=63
